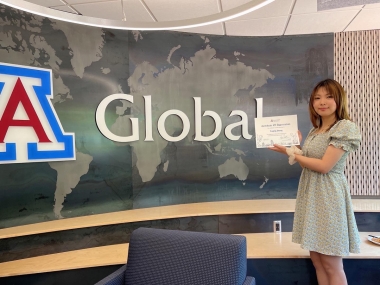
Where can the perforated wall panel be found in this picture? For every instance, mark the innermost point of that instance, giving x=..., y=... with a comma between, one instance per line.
x=357, y=68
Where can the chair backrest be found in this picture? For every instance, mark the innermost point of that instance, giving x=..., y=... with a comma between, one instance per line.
x=172, y=257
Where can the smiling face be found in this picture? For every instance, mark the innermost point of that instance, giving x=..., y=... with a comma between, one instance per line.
x=328, y=99
x=324, y=103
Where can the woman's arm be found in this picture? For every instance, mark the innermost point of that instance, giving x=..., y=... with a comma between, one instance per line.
x=300, y=163
x=324, y=165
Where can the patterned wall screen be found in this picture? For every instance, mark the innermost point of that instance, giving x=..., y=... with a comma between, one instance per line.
x=357, y=67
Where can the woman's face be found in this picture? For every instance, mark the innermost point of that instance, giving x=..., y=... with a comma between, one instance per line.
x=324, y=103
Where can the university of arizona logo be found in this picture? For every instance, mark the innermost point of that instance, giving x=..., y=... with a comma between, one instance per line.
x=30, y=130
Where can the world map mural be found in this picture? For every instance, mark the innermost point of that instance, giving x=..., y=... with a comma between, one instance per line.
x=173, y=68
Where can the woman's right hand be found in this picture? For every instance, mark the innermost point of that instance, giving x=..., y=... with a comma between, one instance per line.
x=278, y=148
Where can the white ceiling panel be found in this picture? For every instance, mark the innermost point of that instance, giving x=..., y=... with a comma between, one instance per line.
x=321, y=22
x=107, y=10
x=368, y=19
x=63, y=8
x=134, y=11
x=86, y=1
x=274, y=9
x=270, y=20
x=46, y=3
x=215, y=29
x=257, y=27
x=172, y=10
x=371, y=6
x=310, y=6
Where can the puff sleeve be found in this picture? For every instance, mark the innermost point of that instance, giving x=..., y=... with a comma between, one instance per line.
x=345, y=135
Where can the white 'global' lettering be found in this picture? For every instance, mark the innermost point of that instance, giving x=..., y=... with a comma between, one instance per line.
x=243, y=123
x=100, y=121
x=198, y=122
x=162, y=130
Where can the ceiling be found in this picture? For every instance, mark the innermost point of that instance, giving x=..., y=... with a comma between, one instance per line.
x=282, y=17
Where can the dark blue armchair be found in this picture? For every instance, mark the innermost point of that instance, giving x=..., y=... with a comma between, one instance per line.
x=167, y=257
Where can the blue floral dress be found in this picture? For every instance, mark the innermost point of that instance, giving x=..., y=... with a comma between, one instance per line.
x=324, y=219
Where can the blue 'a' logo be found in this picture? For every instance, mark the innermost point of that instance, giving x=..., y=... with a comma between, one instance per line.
x=30, y=130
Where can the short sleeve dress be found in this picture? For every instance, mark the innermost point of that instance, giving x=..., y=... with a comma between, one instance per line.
x=324, y=219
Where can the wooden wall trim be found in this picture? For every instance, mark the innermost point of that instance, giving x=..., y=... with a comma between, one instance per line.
x=174, y=211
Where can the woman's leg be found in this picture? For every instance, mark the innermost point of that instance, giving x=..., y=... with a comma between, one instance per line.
x=320, y=270
x=333, y=266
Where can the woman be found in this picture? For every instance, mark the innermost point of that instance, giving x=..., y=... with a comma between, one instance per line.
x=324, y=221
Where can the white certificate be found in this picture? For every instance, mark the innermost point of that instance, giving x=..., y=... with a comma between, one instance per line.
x=282, y=130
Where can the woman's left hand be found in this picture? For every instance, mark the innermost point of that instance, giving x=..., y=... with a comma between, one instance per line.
x=278, y=148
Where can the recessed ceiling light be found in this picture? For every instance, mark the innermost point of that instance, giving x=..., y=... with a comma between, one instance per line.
x=125, y=25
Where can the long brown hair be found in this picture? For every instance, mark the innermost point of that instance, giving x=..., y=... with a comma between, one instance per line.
x=336, y=90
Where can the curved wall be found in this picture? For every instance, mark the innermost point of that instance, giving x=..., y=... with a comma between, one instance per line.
x=226, y=73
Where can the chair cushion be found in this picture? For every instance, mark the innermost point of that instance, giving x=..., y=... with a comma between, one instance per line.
x=180, y=257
